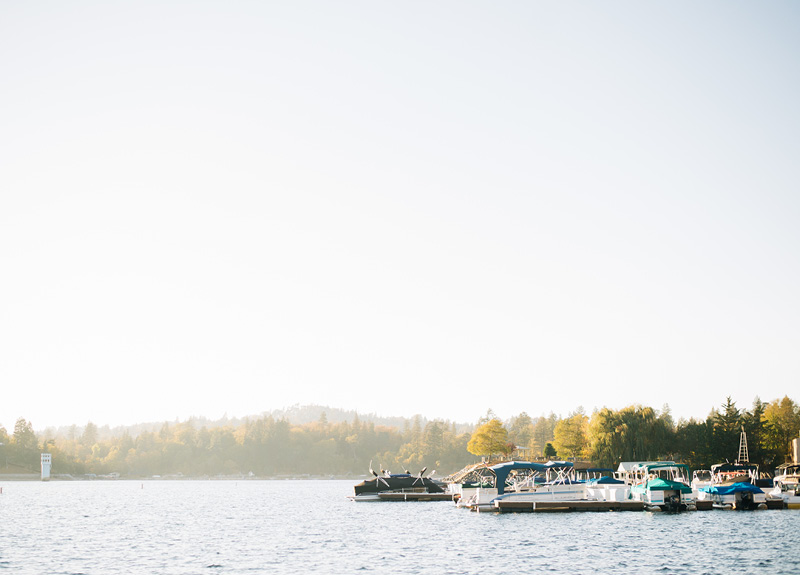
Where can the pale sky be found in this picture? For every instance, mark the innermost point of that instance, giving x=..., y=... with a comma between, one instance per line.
x=412, y=207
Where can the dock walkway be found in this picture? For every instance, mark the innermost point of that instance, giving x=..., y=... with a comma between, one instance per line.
x=416, y=496
x=553, y=506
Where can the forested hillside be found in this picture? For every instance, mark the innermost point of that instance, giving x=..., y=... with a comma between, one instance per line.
x=269, y=446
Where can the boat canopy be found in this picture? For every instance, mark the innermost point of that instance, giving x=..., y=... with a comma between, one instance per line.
x=605, y=480
x=727, y=467
x=664, y=465
x=502, y=470
x=558, y=464
x=650, y=467
x=628, y=466
x=659, y=484
x=396, y=483
x=741, y=487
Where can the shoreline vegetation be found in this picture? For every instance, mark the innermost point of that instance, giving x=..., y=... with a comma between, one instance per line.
x=337, y=444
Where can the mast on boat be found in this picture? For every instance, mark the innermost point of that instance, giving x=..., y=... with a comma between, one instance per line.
x=744, y=456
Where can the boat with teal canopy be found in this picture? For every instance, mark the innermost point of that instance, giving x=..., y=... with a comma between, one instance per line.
x=659, y=484
x=662, y=485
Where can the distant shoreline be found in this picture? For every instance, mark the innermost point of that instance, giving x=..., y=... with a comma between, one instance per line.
x=10, y=477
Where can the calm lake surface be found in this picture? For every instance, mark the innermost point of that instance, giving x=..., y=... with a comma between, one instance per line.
x=220, y=527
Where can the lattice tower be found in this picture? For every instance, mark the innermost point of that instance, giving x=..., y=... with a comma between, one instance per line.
x=744, y=456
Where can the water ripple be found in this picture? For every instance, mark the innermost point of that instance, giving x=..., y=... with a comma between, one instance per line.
x=266, y=527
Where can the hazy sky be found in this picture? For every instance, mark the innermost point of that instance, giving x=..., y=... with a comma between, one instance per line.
x=410, y=207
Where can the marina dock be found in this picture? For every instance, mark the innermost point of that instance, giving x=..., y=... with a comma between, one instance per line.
x=416, y=496
x=560, y=506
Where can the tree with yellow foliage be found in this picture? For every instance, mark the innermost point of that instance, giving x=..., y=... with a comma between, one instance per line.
x=489, y=439
x=571, y=435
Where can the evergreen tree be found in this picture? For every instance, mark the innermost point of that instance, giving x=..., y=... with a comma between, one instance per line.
x=24, y=436
x=727, y=425
x=89, y=435
x=488, y=417
x=543, y=432
x=24, y=448
x=520, y=430
x=695, y=442
x=756, y=427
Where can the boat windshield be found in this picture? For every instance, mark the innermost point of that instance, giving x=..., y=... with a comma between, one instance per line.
x=702, y=475
x=667, y=471
x=788, y=469
x=593, y=473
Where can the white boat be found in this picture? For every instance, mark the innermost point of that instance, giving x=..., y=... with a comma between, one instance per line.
x=555, y=482
x=732, y=485
x=465, y=486
x=601, y=485
x=700, y=478
x=787, y=485
x=660, y=485
x=520, y=481
x=483, y=485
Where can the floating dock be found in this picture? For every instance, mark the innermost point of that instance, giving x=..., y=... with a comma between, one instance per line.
x=562, y=506
x=558, y=506
x=416, y=496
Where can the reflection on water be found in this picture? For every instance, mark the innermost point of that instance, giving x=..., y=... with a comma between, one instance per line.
x=216, y=527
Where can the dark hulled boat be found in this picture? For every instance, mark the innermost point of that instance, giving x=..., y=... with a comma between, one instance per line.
x=386, y=483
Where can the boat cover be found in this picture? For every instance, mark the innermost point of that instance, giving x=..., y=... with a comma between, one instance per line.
x=604, y=481
x=661, y=485
x=396, y=483
x=558, y=464
x=731, y=489
x=728, y=467
x=501, y=471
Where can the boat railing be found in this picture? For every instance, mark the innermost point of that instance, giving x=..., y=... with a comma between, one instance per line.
x=524, y=482
x=641, y=474
x=560, y=475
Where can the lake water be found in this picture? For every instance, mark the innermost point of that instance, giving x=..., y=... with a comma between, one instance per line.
x=227, y=527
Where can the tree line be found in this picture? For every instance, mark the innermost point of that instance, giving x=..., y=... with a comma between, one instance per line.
x=267, y=446
x=264, y=446
x=639, y=433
